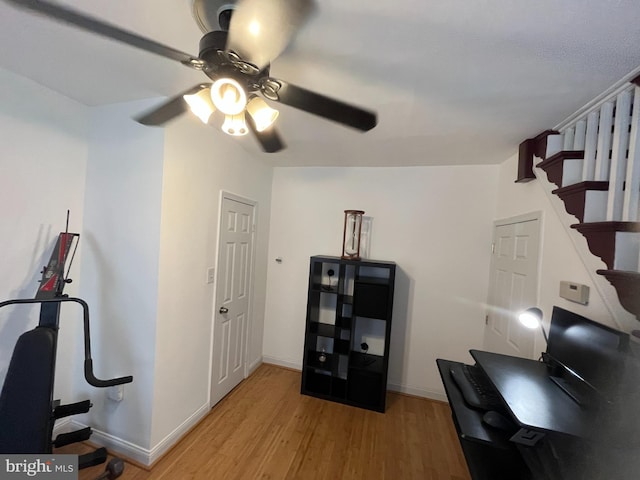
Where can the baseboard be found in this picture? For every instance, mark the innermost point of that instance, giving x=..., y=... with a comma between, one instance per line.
x=136, y=453
x=281, y=363
x=174, y=437
x=253, y=366
x=62, y=425
x=418, y=392
x=115, y=444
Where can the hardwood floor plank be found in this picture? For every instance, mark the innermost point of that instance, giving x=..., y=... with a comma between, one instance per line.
x=264, y=429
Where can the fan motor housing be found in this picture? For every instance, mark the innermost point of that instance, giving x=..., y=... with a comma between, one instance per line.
x=211, y=43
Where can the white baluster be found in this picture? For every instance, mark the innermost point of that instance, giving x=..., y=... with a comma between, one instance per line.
x=604, y=142
x=619, y=155
x=632, y=187
x=579, y=136
x=590, y=145
x=568, y=138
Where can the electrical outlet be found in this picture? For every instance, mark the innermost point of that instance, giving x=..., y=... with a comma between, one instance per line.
x=211, y=275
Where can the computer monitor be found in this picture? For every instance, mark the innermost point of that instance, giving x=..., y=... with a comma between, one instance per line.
x=586, y=350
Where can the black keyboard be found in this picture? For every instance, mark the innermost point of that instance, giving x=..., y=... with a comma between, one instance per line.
x=476, y=388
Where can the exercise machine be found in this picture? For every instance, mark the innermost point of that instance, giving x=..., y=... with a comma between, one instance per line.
x=27, y=409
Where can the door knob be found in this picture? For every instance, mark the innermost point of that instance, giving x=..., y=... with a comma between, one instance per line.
x=223, y=310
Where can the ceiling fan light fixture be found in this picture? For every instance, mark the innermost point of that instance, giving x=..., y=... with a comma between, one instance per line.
x=228, y=96
x=262, y=114
x=200, y=104
x=235, y=125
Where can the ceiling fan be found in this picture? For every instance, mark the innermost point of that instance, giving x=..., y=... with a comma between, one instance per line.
x=236, y=59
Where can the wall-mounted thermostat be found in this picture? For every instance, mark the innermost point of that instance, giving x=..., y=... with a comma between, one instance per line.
x=574, y=292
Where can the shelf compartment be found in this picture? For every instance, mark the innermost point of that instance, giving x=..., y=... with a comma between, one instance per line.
x=322, y=307
x=317, y=381
x=320, y=275
x=313, y=360
x=366, y=389
x=371, y=300
x=366, y=362
x=339, y=387
x=341, y=346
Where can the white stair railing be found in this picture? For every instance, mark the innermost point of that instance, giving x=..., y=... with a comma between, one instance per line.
x=609, y=135
x=607, y=130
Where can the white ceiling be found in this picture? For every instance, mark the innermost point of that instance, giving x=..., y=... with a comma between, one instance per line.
x=453, y=81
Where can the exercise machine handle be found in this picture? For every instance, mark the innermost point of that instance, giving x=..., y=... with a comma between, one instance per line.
x=88, y=361
x=96, y=382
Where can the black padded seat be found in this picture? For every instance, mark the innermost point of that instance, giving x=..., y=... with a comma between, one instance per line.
x=26, y=398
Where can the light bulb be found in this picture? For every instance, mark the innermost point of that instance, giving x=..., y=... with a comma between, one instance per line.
x=200, y=104
x=228, y=96
x=531, y=318
x=234, y=125
x=262, y=114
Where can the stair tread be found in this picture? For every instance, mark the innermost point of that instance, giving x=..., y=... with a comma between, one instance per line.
x=560, y=156
x=630, y=274
x=598, y=185
x=607, y=226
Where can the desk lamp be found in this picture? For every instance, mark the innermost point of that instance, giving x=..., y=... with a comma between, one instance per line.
x=532, y=318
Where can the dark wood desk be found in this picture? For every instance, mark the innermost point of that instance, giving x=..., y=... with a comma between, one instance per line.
x=562, y=445
x=532, y=399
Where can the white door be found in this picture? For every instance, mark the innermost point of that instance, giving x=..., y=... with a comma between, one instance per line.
x=513, y=285
x=233, y=282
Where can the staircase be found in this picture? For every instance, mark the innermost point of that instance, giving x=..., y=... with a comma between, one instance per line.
x=592, y=164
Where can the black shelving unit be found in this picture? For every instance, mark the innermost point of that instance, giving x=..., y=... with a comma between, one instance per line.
x=350, y=303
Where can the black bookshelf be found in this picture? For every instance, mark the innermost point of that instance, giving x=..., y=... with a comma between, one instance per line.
x=350, y=303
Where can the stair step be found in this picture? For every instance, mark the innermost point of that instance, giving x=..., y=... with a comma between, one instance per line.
x=555, y=167
x=582, y=203
x=627, y=285
x=605, y=242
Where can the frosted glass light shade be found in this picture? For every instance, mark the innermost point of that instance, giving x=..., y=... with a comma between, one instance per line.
x=228, y=96
x=235, y=125
x=261, y=113
x=200, y=104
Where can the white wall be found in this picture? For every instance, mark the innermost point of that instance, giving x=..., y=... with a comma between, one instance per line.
x=120, y=265
x=43, y=154
x=559, y=259
x=199, y=162
x=434, y=222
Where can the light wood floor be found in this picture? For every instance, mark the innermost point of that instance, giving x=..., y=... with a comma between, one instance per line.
x=265, y=429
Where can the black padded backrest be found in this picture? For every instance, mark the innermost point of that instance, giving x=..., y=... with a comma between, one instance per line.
x=25, y=401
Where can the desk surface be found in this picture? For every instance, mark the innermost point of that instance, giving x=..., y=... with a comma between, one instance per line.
x=532, y=398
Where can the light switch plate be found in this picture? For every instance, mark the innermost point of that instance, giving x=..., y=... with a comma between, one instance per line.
x=211, y=275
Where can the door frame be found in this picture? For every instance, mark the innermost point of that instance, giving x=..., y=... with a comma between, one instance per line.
x=245, y=336
x=522, y=218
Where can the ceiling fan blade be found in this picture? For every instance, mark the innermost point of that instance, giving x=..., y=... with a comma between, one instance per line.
x=90, y=24
x=268, y=139
x=261, y=30
x=321, y=105
x=170, y=109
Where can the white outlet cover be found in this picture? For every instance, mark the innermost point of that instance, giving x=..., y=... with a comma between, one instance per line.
x=116, y=393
